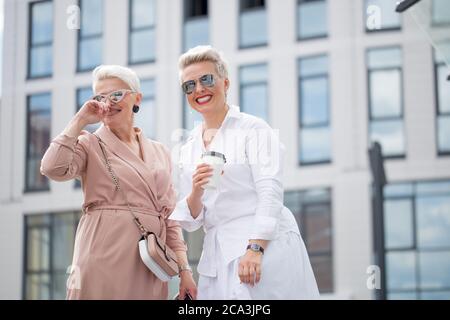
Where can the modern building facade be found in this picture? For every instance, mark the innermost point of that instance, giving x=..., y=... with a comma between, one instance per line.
x=331, y=75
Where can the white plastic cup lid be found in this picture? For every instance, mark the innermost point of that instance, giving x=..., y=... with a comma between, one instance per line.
x=215, y=154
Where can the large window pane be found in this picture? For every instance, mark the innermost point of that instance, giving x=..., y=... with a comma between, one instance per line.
x=385, y=93
x=253, y=89
x=401, y=268
x=315, y=145
x=389, y=133
x=42, y=22
x=90, y=42
x=381, y=14
x=441, y=12
x=49, y=249
x=314, y=119
x=38, y=139
x=433, y=220
x=91, y=17
x=312, y=19
x=196, y=32
x=142, y=31
x=434, y=270
x=422, y=224
x=90, y=54
x=253, y=28
x=142, y=46
x=399, y=232
x=384, y=58
x=314, y=101
x=142, y=13
x=40, y=47
x=38, y=287
x=41, y=61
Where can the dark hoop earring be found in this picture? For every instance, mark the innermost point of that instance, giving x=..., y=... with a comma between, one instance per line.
x=135, y=109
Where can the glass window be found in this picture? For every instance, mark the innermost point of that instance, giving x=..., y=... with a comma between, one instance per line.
x=146, y=117
x=400, y=270
x=254, y=90
x=381, y=15
x=142, y=31
x=440, y=12
x=443, y=99
x=49, y=240
x=386, y=100
x=417, y=246
x=253, y=23
x=196, y=24
x=312, y=211
x=398, y=220
x=314, y=119
x=38, y=140
x=312, y=19
x=90, y=36
x=40, y=56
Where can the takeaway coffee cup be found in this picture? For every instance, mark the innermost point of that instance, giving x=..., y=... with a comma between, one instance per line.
x=216, y=160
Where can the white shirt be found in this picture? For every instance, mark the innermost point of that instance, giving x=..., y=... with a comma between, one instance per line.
x=248, y=203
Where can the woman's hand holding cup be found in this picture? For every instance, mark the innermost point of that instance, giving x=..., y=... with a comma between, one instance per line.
x=201, y=177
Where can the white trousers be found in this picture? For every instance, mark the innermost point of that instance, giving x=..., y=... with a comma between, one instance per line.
x=286, y=274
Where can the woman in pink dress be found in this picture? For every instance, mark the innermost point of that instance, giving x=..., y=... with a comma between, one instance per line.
x=106, y=262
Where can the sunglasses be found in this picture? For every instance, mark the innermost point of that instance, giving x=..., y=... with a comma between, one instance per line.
x=206, y=80
x=114, y=97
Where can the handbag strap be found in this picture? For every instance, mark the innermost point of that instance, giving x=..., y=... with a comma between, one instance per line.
x=144, y=232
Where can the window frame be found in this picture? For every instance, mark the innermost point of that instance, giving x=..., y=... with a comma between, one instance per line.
x=28, y=189
x=297, y=19
x=415, y=249
x=50, y=226
x=80, y=38
x=131, y=30
x=369, y=71
x=253, y=9
x=45, y=44
x=301, y=78
x=256, y=83
x=187, y=19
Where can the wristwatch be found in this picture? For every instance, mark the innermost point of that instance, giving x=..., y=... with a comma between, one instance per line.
x=255, y=248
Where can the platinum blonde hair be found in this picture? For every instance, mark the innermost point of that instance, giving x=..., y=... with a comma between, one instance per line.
x=202, y=54
x=127, y=75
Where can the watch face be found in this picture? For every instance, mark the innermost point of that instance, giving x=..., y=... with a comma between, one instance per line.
x=255, y=247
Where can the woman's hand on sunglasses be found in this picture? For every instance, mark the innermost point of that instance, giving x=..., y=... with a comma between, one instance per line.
x=92, y=112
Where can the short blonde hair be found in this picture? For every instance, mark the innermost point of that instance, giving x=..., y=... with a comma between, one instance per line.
x=202, y=54
x=127, y=75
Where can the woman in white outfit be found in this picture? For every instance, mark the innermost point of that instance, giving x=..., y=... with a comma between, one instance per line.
x=252, y=247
